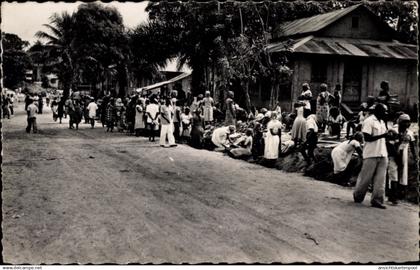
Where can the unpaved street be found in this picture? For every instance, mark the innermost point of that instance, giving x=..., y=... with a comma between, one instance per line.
x=89, y=196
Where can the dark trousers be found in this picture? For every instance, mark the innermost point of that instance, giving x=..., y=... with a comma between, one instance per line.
x=92, y=122
x=176, y=130
x=31, y=125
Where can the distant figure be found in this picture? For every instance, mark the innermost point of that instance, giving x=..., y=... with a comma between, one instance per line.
x=40, y=104
x=299, y=125
x=220, y=137
x=54, y=109
x=272, y=139
x=335, y=122
x=230, y=115
x=306, y=97
x=110, y=115
x=311, y=139
x=139, y=123
x=166, y=120
x=243, y=147
x=208, y=104
x=322, y=107
x=384, y=95
x=152, y=112
x=197, y=130
x=60, y=109
x=92, y=108
x=31, y=110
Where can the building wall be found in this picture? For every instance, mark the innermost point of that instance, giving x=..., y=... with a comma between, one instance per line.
x=402, y=77
x=369, y=27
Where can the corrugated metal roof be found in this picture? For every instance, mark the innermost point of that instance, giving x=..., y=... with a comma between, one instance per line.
x=314, y=23
x=349, y=47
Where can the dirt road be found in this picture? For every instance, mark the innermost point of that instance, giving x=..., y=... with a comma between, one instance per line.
x=89, y=196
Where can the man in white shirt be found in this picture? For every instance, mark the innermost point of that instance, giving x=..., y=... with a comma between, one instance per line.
x=152, y=112
x=92, y=108
x=32, y=110
x=375, y=159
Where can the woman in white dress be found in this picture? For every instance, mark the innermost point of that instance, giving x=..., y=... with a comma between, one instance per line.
x=272, y=138
x=208, y=108
x=299, y=125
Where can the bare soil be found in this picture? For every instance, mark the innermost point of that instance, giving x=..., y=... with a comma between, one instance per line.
x=88, y=196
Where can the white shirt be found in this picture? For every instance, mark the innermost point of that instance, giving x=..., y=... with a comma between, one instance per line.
x=92, y=107
x=153, y=109
x=374, y=127
x=33, y=110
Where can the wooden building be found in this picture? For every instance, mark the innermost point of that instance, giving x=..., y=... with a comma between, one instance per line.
x=351, y=47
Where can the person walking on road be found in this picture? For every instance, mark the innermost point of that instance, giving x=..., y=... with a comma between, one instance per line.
x=92, y=108
x=375, y=159
x=54, y=109
x=110, y=115
x=166, y=119
x=31, y=110
x=60, y=109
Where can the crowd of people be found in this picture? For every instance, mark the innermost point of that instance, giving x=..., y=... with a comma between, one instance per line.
x=256, y=135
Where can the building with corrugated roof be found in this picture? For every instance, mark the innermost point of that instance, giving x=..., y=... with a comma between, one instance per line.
x=350, y=47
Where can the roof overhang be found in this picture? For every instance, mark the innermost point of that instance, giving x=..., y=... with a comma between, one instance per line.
x=346, y=47
x=160, y=84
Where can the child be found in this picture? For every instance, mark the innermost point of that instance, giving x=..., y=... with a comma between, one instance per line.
x=342, y=153
x=335, y=122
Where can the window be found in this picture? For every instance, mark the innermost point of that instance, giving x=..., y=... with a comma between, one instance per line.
x=355, y=22
x=319, y=71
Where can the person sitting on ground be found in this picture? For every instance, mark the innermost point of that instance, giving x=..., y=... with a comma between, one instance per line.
x=342, y=154
x=310, y=144
x=272, y=139
x=335, y=122
x=242, y=148
x=220, y=137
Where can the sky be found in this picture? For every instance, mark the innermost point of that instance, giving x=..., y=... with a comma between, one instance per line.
x=25, y=19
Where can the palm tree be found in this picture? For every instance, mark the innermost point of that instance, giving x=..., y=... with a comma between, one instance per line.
x=60, y=46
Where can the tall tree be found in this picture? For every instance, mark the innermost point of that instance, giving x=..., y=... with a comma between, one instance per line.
x=102, y=44
x=61, y=50
x=15, y=60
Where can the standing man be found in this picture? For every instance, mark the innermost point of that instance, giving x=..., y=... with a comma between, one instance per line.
x=92, y=108
x=32, y=110
x=375, y=159
x=166, y=120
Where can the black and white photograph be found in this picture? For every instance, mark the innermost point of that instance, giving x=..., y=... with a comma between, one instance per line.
x=187, y=132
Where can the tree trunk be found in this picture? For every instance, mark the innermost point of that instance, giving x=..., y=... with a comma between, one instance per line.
x=247, y=97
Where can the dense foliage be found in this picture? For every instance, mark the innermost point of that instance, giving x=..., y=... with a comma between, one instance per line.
x=15, y=60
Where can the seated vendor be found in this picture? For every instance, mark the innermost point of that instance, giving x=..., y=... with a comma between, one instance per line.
x=242, y=147
x=220, y=137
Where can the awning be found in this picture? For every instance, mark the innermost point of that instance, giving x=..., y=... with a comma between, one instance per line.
x=346, y=46
x=160, y=84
